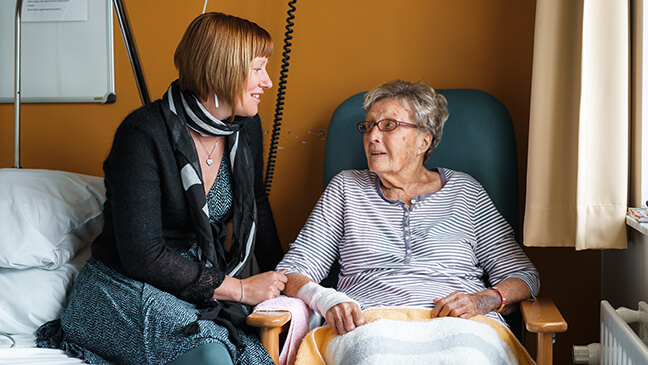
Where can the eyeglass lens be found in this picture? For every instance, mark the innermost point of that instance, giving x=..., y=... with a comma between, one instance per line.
x=384, y=125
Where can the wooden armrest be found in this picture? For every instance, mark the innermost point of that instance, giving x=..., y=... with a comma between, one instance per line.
x=271, y=324
x=270, y=319
x=541, y=316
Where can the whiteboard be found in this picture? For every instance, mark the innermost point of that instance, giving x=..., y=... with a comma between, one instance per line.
x=61, y=61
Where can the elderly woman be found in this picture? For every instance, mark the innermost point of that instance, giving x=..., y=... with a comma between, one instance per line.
x=406, y=235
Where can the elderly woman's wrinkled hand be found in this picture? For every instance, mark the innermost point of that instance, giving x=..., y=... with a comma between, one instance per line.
x=345, y=317
x=463, y=305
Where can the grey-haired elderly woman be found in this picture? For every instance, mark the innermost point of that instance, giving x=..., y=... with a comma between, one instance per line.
x=406, y=235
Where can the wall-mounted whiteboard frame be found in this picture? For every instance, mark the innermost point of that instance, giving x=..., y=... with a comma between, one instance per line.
x=66, y=61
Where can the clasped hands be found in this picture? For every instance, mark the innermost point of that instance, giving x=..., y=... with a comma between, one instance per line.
x=347, y=316
x=264, y=286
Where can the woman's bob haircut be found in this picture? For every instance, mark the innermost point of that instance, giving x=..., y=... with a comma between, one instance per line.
x=215, y=53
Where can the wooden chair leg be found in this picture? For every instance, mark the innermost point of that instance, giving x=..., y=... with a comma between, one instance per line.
x=543, y=318
x=270, y=324
x=545, y=348
x=270, y=339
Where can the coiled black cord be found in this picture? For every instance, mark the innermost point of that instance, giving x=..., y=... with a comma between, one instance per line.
x=281, y=91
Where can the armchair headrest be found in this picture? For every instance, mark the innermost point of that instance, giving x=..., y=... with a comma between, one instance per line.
x=478, y=139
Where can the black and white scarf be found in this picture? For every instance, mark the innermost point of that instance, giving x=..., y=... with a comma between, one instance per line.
x=183, y=109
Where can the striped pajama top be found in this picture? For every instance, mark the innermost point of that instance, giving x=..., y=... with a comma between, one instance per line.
x=392, y=255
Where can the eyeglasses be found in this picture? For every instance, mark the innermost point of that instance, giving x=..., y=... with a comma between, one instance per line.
x=385, y=125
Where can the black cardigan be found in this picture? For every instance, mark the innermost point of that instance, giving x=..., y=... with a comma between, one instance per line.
x=147, y=220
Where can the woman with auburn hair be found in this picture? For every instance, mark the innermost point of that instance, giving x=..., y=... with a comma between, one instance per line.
x=186, y=209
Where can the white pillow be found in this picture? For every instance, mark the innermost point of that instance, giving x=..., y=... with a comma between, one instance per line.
x=31, y=297
x=46, y=216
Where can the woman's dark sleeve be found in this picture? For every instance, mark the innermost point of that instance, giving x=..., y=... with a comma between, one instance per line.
x=267, y=248
x=136, y=177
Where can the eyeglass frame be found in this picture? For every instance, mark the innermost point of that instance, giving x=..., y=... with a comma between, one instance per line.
x=377, y=124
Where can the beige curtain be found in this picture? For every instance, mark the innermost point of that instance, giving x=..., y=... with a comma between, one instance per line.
x=577, y=180
x=637, y=104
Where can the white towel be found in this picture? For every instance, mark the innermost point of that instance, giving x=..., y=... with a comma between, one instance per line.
x=300, y=324
x=440, y=341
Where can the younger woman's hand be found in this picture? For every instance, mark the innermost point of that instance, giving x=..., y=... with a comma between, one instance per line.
x=263, y=286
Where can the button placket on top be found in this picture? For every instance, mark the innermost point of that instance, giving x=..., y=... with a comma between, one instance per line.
x=407, y=238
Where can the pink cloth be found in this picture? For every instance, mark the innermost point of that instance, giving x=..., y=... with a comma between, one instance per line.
x=299, y=325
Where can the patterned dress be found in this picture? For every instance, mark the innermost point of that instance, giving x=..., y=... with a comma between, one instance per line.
x=112, y=318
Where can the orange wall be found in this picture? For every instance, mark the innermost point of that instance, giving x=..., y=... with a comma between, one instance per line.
x=340, y=47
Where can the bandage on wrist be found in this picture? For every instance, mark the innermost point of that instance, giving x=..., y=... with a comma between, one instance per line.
x=501, y=294
x=321, y=299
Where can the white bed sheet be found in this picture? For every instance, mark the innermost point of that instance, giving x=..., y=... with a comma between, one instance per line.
x=21, y=349
x=24, y=351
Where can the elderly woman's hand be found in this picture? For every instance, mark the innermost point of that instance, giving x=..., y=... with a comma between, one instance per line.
x=466, y=305
x=345, y=317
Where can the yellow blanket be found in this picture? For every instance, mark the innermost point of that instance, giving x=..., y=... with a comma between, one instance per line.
x=313, y=349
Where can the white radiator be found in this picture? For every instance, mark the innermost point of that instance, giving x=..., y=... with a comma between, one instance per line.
x=619, y=343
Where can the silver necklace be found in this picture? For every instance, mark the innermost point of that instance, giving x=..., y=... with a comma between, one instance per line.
x=209, y=154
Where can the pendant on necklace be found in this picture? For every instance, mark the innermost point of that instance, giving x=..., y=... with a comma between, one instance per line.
x=210, y=161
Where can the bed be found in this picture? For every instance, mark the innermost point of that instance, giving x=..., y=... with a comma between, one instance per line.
x=48, y=219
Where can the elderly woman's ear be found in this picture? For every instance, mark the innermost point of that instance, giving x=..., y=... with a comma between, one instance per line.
x=426, y=140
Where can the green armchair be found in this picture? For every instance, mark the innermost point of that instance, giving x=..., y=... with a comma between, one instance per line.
x=478, y=138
